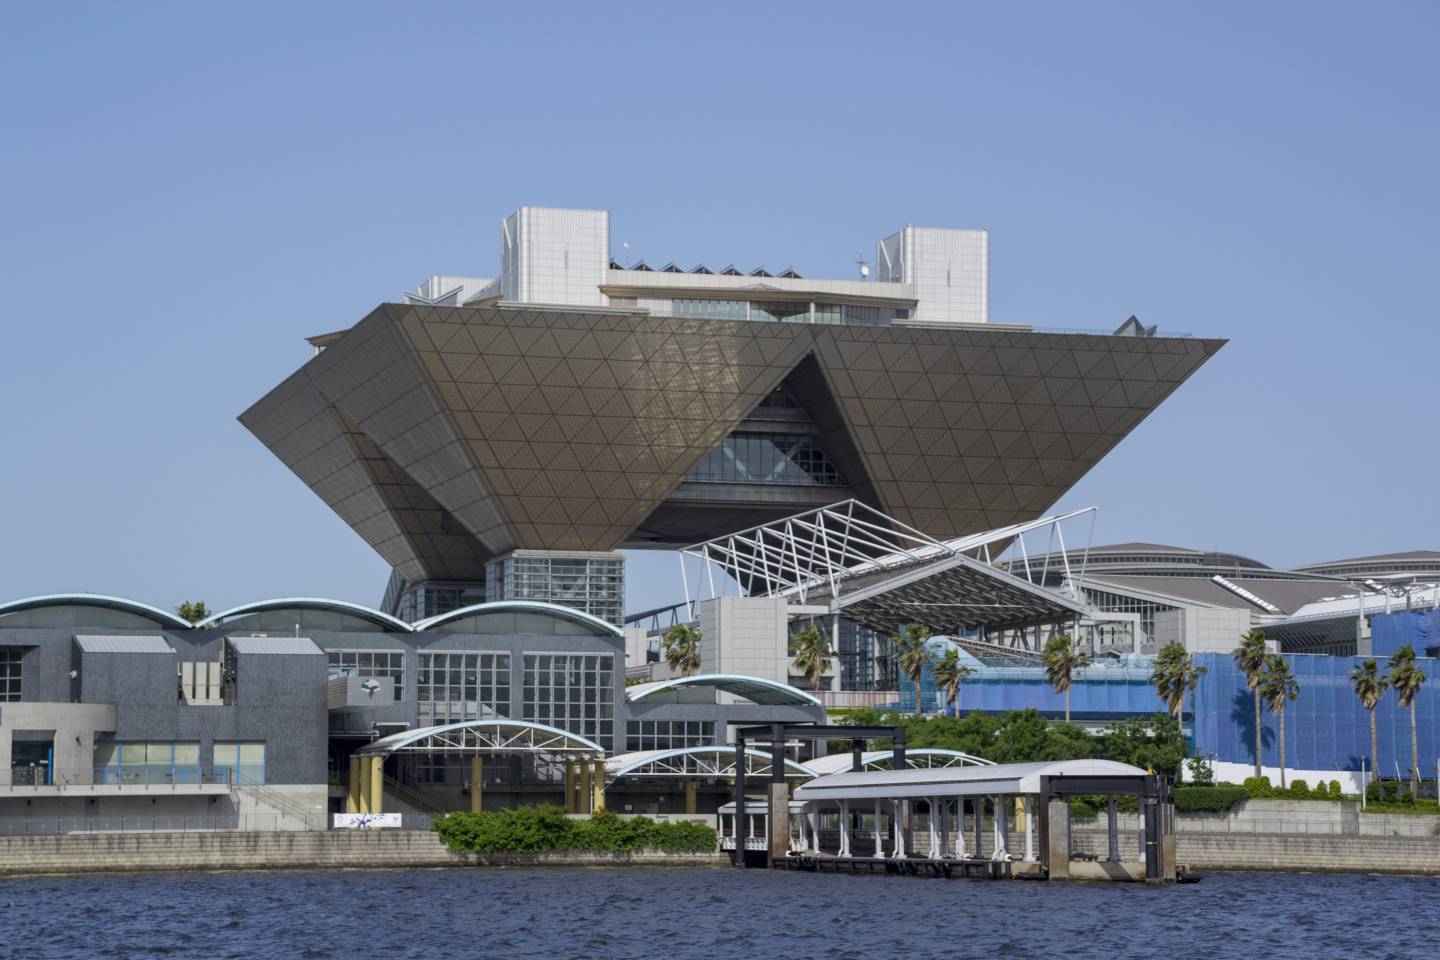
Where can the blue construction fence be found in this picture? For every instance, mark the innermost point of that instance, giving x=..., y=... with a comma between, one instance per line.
x=1108, y=690
x=1326, y=726
x=1419, y=630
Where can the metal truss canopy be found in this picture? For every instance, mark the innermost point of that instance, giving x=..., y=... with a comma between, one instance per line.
x=879, y=572
x=697, y=763
x=472, y=737
x=921, y=758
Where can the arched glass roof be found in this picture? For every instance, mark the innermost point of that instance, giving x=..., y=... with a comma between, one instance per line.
x=146, y=614
x=771, y=693
x=343, y=608
x=472, y=737
x=916, y=757
x=521, y=616
x=707, y=761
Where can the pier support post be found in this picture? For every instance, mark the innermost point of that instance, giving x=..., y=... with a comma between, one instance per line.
x=1002, y=829
x=902, y=814
x=477, y=795
x=692, y=796
x=1057, y=837
x=844, y=828
x=362, y=800
x=979, y=803
x=742, y=820
x=934, y=850
x=1112, y=828
x=571, y=805
x=585, y=797
x=779, y=797
x=960, y=828
x=1029, y=834
x=879, y=832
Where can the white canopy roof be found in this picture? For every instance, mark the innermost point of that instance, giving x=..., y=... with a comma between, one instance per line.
x=1004, y=778
x=760, y=690
x=917, y=757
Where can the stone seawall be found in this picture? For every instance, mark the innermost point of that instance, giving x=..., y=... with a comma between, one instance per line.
x=339, y=849
x=1262, y=851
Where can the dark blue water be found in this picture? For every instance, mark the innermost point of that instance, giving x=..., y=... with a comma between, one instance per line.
x=679, y=914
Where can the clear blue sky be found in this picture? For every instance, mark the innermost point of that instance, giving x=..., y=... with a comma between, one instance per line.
x=186, y=191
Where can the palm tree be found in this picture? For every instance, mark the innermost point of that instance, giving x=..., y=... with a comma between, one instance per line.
x=1370, y=686
x=1406, y=677
x=193, y=611
x=681, y=646
x=1174, y=673
x=911, y=655
x=1250, y=658
x=1064, y=656
x=949, y=674
x=1278, y=686
x=811, y=653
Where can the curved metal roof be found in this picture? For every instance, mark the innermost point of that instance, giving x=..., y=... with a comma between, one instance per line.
x=624, y=764
x=529, y=606
x=1004, y=779
x=163, y=617
x=840, y=762
x=312, y=603
x=761, y=690
x=492, y=736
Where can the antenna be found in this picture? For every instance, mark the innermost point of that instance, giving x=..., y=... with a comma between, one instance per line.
x=864, y=267
x=626, y=247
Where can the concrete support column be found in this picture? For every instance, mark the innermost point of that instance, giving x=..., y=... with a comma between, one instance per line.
x=814, y=817
x=352, y=792
x=979, y=803
x=585, y=796
x=902, y=811
x=692, y=796
x=362, y=802
x=1112, y=829
x=1057, y=837
x=597, y=786
x=879, y=832
x=779, y=794
x=960, y=828
x=1002, y=829
x=844, y=828
x=477, y=783
x=570, y=803
x=934, y=852
x=377, y=784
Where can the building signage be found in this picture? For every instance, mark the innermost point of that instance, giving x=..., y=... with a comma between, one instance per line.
x=365, y=821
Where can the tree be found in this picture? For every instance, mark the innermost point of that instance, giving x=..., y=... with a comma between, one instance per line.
x=811, y=653
x=949, y=674
x=681, y=647
x=1063, y=656
x=193, y=611
x=1173, y=674
x=912, y=655
x=1370, y=686
x=1406, y=677
x=1250, y=658
x=1277, y=687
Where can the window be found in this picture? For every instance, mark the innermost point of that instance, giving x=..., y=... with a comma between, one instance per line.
x=370, y=663
x=572, y=691
x=147, y=762
x=668, y=734
x=9, y=674
x=240, y=762
x=769, y=458
x=462, y=686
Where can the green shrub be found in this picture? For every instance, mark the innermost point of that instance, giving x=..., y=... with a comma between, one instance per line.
x=1259, y=787
x=1335, y=793
x=548, y=828
x=1387, y=791
x=1373, y=793
x=1299, y=789
x=1217, y=799
x=1200, y=772
x=1404, y=796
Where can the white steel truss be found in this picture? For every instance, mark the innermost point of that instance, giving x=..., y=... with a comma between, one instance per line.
x=473, y=737
x=698, y=762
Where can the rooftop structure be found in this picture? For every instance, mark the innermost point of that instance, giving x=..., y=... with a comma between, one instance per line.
x=573, y=408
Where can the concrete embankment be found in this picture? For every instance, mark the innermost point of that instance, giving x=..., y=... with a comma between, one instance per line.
x=340, y=849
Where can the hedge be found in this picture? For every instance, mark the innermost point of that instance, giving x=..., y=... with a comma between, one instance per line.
x=547, y=827
x=1218, y=799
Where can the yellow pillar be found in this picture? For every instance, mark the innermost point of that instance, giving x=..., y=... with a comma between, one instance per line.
x=597, y=783
x=377, y=783
x=585, y=797
x=352, y=793
x=570, y=803
x=1020, y=814
x=692, y=796
x=477, y=768
x=362, y=801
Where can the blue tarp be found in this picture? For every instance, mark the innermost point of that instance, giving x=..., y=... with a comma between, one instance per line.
x=1391, y=631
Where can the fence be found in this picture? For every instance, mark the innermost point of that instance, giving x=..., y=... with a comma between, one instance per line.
x=56, y=826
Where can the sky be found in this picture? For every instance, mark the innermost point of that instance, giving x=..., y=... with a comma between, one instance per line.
x=188, y=190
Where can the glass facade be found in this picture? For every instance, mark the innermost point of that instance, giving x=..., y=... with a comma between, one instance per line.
x=778, y=311
x=593, y=584
x=142, y=762
x=1108, y=602
x=711, y=309
x=462, y=686
x=244, y=761
x=572, y=691
x=370, y=663
x=429, y=598
x=668, y=734
x=9, y=674
x=769, y=458
x=862, y=655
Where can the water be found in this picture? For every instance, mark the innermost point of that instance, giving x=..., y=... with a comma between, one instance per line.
x=680, y=914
